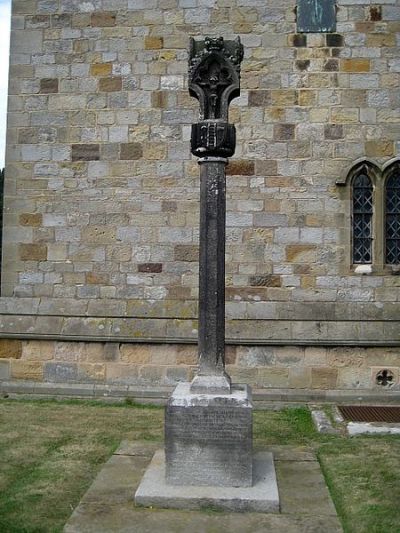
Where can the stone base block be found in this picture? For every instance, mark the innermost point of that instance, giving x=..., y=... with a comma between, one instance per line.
x=208, y=438
x=262, y=497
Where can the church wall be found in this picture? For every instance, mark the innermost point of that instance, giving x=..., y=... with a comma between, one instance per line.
x=102, y=194
x=311, y=369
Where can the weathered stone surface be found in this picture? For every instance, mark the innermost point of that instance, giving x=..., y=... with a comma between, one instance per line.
x=111, y=84
x=85, y=152
x=10, y=349
x=379, y=148
x=28, y=370
x=31, y=219
x=187, y=355
x=259, y=98
x=92, y=373
x=324, y=378
x=49, y=85
x=111, y=351
x=103, y=19
x=131, y=151
x=153, y=43
x=178, y=374
x=299, y=377
x=60, y=372
x=121, y=374
x=208, y=438
x=272, y=377
x=33, y=252
x=149, y=374
x=315, y=356
x=240, y=168
x=289, y=355
x=333, y=131
x=265, y=281
x=38, y=350
x=101, y=69
x=355, y=378
x=284, y=132
x=135, y=353
x=150, y=267
x=355, y=65
x=252, y=356
x=94, y=353
x=69, y=351
x=301, y=253
x=186, y=252
x=4, y=370
x=262, y=496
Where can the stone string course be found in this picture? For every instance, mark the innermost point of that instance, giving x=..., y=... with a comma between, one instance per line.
x=263, y=367
x=298, y=323
x=280, y=332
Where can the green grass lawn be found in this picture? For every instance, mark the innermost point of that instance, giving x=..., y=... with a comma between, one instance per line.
x=51, y=451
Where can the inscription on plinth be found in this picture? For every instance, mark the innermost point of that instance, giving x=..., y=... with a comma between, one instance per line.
x=208, y=438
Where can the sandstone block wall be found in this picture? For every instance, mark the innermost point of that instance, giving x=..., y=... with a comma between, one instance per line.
x=102, y=194
x=263, y=367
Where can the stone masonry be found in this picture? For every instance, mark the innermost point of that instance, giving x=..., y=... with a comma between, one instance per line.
x=263, y=367
x=102, y=195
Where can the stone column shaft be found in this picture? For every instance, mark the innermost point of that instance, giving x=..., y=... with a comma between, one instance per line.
x=214, y=75
x=212, y=271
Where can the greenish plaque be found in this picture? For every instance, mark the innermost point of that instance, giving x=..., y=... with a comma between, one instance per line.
x=314, y=16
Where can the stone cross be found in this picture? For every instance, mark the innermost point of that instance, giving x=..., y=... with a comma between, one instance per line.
x=214, y=79
x=208, y=423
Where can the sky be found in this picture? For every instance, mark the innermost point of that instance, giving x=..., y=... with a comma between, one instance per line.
x=4, y=58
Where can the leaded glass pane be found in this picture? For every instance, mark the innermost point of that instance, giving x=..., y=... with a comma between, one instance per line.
x=362, y=219
x=392, y=218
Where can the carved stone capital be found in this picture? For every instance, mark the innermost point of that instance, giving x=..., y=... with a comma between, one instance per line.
x=216, y=139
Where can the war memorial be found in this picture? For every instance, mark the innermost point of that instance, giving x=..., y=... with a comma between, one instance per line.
x=202, y=209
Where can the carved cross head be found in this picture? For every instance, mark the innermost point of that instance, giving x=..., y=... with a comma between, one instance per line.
x=214, y=75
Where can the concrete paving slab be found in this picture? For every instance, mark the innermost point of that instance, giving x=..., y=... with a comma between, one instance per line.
x=263, y=496
x=108, y=505
x=379, y=428
x=303, y=489
x=128, y=447
x=291, y=453
x=96, y=518
x=114, y=483
x=322, y=422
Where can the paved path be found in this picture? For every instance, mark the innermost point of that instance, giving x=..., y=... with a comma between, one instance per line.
x=108, y=506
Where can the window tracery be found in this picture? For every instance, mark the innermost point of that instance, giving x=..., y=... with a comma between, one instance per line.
x=375, y=214
x=392, y=217
x=362, y=218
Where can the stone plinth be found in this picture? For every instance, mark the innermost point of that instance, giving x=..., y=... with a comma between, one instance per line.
x=262, y=497
x=208, y=438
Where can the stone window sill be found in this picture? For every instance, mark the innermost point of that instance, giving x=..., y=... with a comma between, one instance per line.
x=375, y=270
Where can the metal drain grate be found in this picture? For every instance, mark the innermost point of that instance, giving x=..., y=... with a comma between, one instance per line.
x=367, y=413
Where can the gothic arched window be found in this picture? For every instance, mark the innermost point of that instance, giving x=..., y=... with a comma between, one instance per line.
x=392, y=217
x=362, y=193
